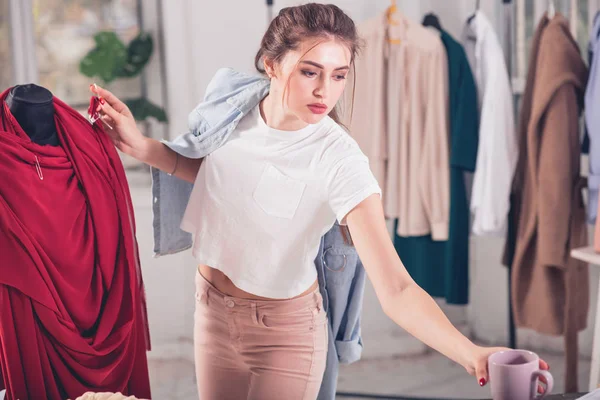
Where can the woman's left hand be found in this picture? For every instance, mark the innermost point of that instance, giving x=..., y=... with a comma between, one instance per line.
x=478, y=366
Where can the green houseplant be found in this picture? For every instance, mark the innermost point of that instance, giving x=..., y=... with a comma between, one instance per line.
x=111, y=59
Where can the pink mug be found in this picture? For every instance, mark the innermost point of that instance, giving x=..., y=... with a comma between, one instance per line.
x=514, y=375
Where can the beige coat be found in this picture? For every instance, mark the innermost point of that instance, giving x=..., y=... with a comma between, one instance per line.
x=550, y=289
x=400, y=121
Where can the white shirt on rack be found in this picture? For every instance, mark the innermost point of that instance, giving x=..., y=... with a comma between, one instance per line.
x=498, y=151
x=262, y=202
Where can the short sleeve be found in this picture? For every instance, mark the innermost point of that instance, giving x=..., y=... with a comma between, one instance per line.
x=349, y=179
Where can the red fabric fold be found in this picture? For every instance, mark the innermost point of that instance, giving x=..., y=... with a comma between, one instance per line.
x=72, y=306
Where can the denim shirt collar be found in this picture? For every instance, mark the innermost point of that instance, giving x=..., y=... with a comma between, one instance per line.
x=250, y=96
x=241, y=91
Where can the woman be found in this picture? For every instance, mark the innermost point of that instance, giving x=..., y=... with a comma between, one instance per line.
x=259, y=206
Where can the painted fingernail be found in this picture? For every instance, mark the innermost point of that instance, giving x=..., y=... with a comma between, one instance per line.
x=102, y=101
x=482, y=382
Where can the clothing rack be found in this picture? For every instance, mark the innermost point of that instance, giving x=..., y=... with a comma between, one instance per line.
x=508, y=23
x=269, y=11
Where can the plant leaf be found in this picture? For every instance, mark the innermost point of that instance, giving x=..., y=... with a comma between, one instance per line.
x=142, y=109
x=106, y=58
x=139, y=52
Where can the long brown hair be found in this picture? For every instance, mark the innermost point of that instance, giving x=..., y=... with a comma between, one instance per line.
x=309, y=21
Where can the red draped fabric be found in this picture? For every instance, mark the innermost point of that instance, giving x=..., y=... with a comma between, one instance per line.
x=72, y=306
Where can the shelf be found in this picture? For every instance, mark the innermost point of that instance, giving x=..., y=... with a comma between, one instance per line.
x=586, y=254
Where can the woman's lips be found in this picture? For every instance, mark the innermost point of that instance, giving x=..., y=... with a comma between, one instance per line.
x=318, y=108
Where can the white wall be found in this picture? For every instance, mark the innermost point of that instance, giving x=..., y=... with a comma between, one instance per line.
x=203, y=36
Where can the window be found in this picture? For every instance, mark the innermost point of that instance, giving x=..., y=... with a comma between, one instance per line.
x=580, y=14
x=64, y=33
x=44, y=42
x=6, y=71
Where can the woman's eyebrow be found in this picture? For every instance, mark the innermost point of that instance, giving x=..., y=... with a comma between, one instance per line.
x=314, y=64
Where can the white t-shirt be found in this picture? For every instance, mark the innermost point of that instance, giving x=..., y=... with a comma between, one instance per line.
x=262, y=202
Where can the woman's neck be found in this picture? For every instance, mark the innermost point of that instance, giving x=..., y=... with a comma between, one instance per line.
x=275, y=117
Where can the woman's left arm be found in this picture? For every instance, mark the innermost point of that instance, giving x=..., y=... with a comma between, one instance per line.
x=402, y=299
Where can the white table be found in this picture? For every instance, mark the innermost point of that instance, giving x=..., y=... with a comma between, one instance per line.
x=588, y=255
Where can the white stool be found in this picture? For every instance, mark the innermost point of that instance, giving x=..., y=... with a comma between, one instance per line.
x=588, y=255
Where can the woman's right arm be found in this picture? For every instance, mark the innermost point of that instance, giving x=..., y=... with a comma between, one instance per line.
x=162, y=157
x=120, y=125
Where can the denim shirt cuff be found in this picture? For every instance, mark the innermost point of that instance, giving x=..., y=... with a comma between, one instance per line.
x=349, y=351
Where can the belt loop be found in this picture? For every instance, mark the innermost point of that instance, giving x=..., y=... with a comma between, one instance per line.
x=254, y=311
x=206, y=295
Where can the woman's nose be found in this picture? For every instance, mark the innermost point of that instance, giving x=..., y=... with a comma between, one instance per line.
x=321, y=89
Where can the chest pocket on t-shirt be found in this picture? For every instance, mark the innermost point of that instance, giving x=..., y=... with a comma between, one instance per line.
x=277, y=194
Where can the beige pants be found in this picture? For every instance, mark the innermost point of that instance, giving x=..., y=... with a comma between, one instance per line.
x=256, y=349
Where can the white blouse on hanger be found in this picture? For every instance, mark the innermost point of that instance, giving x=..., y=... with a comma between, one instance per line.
x=498, y=151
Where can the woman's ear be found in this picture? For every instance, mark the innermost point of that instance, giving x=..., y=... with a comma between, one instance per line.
x=269, y=68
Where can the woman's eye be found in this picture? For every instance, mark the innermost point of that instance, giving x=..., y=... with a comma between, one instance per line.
x=340, y=77
x=309, y=74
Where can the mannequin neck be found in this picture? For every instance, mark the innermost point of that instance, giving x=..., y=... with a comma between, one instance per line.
x=33, y=108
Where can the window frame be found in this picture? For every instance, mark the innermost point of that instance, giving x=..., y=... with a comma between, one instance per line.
x=22, y=41
x=521, y=38
x=25, y=67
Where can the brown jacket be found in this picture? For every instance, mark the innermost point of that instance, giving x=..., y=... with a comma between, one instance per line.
x=550, y=289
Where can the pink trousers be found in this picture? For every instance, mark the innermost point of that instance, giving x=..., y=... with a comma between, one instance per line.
x=258, y=350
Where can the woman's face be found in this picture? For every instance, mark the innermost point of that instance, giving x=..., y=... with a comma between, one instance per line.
x=317, y=76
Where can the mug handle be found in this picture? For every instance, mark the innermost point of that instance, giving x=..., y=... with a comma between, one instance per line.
x=549, y=385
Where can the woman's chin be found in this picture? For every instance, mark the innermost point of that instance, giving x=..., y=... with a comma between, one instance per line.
x=311, y=118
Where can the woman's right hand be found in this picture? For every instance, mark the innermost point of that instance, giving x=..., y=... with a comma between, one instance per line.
x=119, y=124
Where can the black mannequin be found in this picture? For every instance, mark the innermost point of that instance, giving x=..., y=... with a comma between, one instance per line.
x=32, y=107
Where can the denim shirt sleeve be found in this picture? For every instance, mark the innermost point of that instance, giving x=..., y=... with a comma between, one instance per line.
x=170, y=196
x=342, y=282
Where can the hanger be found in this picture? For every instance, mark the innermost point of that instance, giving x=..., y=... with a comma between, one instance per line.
x=389, y=13
x=432, y=20
x=477, y=3
x=551, y=9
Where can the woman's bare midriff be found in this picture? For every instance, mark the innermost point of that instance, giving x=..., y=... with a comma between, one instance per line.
x=219, y=280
